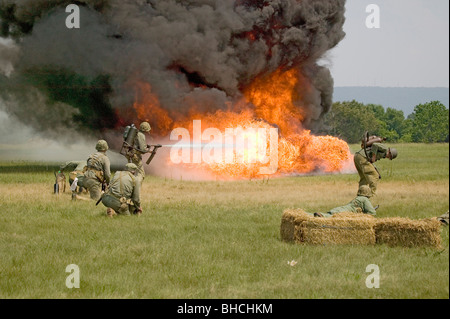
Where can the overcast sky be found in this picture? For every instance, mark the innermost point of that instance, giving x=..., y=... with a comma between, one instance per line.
x=410, y=49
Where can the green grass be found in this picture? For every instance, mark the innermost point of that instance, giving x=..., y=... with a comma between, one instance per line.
x=217, y=239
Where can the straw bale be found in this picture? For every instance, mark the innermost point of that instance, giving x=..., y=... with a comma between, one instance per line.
x=290, y=219
x=397, y=231
x=337, y=231
x=352, y=215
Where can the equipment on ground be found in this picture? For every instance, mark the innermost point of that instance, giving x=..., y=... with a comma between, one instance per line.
x=60, y=182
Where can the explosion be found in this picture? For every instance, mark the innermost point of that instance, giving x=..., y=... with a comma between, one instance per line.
x=249, y=66
x=268, y=103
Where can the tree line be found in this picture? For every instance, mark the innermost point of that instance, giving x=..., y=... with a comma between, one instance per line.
x=429, y=123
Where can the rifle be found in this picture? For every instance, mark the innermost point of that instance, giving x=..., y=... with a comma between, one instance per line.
x=104, y=190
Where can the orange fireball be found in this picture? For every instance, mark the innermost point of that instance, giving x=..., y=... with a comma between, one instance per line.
x=270, y=101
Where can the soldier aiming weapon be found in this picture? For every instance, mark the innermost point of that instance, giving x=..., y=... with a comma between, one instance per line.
x=129, y=150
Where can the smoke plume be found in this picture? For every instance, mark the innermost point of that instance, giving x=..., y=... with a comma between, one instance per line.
x=203, y=52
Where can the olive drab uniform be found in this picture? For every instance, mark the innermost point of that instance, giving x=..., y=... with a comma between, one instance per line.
x=123, y=195
x=98, y=173
x=140, y=147
x=75, y=169
x=360, y=204
x=367, y=171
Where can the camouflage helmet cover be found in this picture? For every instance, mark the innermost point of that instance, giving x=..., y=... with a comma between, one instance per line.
x=394, y=152
x=364, y=190
x=145, y=127
x=102, y=146
x=131, y=167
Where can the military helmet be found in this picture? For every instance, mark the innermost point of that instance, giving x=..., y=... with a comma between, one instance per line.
x=131, y=167
x=394, y=153
x=145, y=127
x=364, y=190
x=102, y=146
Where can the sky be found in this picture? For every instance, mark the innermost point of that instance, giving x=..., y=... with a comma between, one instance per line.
x=409, y=49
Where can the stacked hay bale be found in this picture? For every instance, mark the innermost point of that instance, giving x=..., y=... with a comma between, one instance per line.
x=341, y=229
x=405, y=232
x=359, y=229
x=289, y=221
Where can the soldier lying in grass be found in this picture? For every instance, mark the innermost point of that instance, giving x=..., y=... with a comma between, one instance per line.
x=360, y=204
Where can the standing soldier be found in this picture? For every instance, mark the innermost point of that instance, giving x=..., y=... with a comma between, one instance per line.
x=98, y=171
x=364, y=159
x=123, y=195
x=140, y=147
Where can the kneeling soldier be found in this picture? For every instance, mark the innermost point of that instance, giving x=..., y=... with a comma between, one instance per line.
x=123, y=195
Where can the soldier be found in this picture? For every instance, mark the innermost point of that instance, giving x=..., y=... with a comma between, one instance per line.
x=123, y=195
x=367, y=171
x=140, y=147
x=443, y=219
x=98, y=171
x=360, y=204
x=77, y=170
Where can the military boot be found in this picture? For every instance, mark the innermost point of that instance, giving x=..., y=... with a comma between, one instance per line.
x=110, y=212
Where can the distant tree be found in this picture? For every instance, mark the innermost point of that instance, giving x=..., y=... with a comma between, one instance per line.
x=406, y=136
x=430, y=123
x=380, y=129
x=395, y=122
x=349, y=121
x=378, y=110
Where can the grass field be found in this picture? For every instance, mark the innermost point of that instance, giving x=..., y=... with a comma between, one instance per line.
x=217, y=239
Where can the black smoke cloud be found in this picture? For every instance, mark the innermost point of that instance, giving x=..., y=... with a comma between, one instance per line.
x=83, y=80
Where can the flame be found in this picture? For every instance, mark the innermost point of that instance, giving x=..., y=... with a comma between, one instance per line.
x=273, y=96
x=148, y=108
x=269, y=101
x=305, y=153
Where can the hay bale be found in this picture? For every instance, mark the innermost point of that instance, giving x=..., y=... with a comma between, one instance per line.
x=290, y=219
x=397, y=231
x=352, y=215
x=338, y=230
